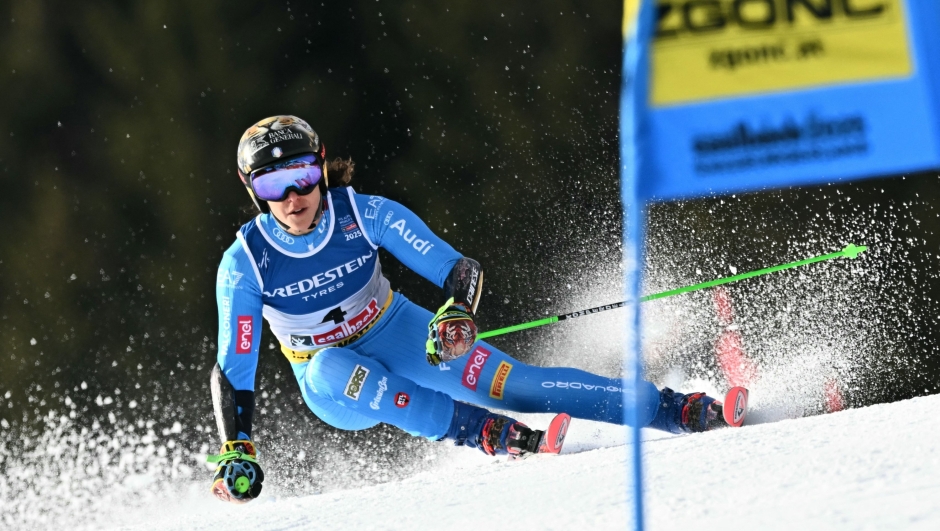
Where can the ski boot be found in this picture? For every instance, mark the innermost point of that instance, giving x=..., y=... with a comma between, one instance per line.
x=520, y=441
x=702, y=413
x=500, y=435
x=692, y=413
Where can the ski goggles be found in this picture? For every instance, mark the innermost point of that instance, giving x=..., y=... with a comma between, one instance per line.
x=275, y=182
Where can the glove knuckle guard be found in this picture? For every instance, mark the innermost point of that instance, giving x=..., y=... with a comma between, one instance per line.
x=456, y=336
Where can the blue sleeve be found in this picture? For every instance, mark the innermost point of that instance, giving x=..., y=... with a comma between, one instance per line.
x=238, y=296
x=398, y=230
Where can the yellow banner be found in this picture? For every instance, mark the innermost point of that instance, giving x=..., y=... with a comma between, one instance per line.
x=630, y=9
x=711, y=49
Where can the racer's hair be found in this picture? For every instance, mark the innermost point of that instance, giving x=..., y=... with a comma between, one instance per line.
x=340, y=172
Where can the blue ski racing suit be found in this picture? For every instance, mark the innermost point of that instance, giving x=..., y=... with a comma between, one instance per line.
x=357, y=349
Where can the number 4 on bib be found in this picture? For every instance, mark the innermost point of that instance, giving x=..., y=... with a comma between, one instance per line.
x=337, y=315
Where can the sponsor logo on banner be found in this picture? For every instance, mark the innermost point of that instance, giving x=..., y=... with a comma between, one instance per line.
x=471, y=372
x=245, y=332
x=745, y=147
x=228, y=279
x=402, y=399
x=499, y=380
x=422, y=246
x=388, y=217
x=580, y=385
x=350, y=326
x=383, y=386
x=356, y=380
x=314, y=282
x=740, y=47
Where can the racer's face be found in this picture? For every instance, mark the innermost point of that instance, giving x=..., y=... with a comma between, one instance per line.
x=297, y=211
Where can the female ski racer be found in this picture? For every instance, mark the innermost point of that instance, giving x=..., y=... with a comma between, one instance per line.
x=363, y=354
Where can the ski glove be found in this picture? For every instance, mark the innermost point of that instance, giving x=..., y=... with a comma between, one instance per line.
x=451, y=333
x=238, y=476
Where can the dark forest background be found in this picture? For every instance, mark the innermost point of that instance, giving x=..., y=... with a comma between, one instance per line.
x=497, y=122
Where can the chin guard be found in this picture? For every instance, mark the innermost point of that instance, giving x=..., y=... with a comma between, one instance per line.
x=465, y=284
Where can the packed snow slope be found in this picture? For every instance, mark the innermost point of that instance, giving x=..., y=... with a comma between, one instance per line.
x=871, y=468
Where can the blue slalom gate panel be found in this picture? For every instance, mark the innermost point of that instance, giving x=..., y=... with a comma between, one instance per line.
x=725, y=96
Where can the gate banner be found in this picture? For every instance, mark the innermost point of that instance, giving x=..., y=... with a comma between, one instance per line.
x=745, y=95
x=724, y=96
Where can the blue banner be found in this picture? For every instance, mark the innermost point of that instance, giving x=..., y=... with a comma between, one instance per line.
x=745, y=95
x=724, y=96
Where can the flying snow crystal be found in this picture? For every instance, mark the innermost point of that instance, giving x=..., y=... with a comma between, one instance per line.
x=32, y=341
x=734, y=270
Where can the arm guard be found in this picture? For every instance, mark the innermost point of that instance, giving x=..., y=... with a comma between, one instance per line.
x=465, y=284
x=233, y=409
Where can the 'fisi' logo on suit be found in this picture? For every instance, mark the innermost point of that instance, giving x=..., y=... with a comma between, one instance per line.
x=356, y=379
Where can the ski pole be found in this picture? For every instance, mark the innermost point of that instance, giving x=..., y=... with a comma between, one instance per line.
x=850, y=251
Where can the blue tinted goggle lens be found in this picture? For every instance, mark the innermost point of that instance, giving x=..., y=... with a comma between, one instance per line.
x=274, y=182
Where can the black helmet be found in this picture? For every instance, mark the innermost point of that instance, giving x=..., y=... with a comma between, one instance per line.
x=273, y=140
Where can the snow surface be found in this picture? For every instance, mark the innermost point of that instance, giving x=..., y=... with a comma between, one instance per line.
x=870, y=468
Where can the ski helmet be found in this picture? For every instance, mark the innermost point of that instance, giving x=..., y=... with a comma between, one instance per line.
x=277, y=139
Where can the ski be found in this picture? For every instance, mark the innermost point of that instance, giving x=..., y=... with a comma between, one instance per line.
x=554, y=436
x=734, y=408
